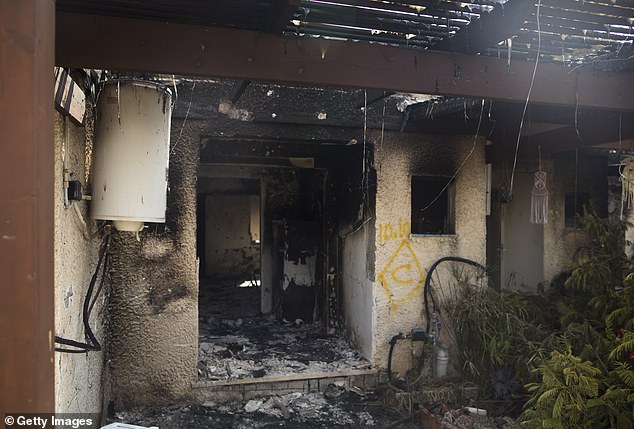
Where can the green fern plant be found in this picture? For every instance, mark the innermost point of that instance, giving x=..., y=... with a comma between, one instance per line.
x=600, y=269
x=564, y=397
x=588, y=380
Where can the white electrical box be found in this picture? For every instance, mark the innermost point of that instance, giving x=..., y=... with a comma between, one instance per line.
x=131, y=153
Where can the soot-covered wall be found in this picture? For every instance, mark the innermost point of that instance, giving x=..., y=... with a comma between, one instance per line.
x=154, y=299
x=402, y=258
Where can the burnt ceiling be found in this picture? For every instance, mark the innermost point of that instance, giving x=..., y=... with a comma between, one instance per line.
x=587, y=34
x=565, y=31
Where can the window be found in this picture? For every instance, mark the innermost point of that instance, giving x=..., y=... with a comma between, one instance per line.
x=432, y=205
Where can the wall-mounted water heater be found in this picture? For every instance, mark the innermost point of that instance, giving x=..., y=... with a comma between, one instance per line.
x=131, y=153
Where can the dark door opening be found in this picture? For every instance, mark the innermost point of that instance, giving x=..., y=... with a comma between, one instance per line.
x=229, y=247
x=263, y=248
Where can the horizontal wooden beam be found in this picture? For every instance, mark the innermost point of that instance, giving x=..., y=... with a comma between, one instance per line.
x=161, y=47
x=593, y=129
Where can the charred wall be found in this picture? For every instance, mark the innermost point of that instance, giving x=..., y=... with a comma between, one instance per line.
x=403, y=258
x=153, y=307
x=229, y=226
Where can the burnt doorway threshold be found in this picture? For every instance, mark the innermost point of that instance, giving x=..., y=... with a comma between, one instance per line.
x=239, y=345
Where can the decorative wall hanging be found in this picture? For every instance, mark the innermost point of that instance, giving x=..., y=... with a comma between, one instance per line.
x=539, y=196
x=627, y=183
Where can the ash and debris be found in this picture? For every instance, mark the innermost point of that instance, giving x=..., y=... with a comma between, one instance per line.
x=256, y=347
x=465, y=418
x=236, y=341
x=334, y=408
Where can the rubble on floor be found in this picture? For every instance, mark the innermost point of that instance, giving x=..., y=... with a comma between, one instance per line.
x=472, y=418
x=256, y=347
x=335, y=408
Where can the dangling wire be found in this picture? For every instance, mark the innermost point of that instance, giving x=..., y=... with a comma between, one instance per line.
x=464, y=162
x=528, y=96
x=365, y=131
x=382, y=128
x=180, y=134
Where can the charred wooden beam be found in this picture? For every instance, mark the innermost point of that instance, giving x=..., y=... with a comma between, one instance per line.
x=272, y=132
x=501, y=23
x=238, y=90
x=373, y=97
x=85, y=41
x=591, y=128
x=281, y=13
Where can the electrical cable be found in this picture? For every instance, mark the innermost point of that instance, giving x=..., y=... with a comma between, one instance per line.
x=393, y=342
x=464, y=162
x=92, y=344
x=426, y=290
x=528, y=96
x=189, y=106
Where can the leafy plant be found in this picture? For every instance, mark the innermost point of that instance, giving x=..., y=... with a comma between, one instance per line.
x=600, y=268
x=566, y=396
x=588, y=379
x=492, y=331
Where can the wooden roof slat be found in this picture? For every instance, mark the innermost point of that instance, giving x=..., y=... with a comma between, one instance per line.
x=588, y=7
x=345, y=14
x=394, y=26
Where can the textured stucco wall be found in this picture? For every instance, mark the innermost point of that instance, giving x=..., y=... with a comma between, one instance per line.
x=560, y=242
x=78, y=377
x=357, y=291
x=398, y=307
x=566, y=172
x=154, y=300
x=585, y=174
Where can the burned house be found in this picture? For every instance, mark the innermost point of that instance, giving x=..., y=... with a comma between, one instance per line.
x=321, y=157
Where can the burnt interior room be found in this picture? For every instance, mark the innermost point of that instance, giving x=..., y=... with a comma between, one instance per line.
x=278, y=109
x=283, y=174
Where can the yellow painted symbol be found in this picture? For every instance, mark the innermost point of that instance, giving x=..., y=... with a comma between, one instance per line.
x=403, y=276
x=401, y=280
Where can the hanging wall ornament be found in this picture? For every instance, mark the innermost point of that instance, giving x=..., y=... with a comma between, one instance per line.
x=539, y=196
x=627, y=183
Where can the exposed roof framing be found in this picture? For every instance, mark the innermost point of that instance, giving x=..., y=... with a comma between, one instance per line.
x=261, y=15
x=238, y=90
x=281, y=13
x=492, y=28
x=159, y=47
x=570, y=31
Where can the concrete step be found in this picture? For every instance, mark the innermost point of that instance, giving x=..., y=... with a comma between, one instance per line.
x=250, y=388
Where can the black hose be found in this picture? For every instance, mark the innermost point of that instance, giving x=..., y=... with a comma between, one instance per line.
x=92, y=344
x=393, y=341
x=426, y=291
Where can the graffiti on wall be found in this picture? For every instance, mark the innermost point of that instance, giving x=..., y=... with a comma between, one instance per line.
x=402, y=278
x=388, y=231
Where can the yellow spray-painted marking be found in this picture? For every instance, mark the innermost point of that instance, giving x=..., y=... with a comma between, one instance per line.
x=402, y=278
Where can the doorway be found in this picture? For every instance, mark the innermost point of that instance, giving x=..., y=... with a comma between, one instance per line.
x=229, y=247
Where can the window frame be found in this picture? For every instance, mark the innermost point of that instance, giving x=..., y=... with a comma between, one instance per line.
x=444, y=193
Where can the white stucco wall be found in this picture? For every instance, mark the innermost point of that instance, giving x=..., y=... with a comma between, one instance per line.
x=78, y=377
x=357, y=291
x=399, y=307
